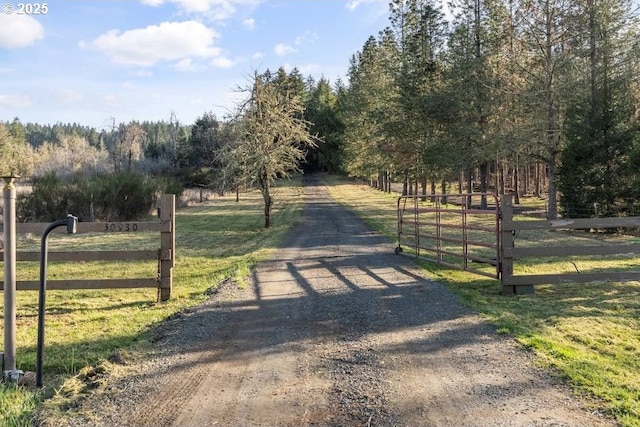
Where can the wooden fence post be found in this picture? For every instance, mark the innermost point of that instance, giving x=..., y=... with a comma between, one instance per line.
x=9, y=260
x=167, y=245
x=506, y=241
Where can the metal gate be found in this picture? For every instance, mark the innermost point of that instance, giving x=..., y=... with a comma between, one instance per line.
x=452, y=230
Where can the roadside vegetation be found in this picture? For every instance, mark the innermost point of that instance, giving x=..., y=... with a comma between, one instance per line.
x=586, y=334
x=218, y=240
x=522, y=97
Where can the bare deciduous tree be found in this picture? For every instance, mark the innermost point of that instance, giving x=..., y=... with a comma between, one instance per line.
x=271, y=136
x=15, y=155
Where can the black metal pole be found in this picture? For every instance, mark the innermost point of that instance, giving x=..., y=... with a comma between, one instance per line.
x=42, y=296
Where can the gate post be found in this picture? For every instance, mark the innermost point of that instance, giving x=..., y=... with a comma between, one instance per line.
x=167, y=245
x=506, y=241
x=9, y=230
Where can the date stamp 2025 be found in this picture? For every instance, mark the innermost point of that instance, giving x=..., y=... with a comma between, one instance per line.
x=25, y=8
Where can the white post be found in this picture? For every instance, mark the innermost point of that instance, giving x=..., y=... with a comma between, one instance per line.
x=9, y=229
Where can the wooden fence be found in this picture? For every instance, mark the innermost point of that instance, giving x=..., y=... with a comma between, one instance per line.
x=465, y=238
x=165, y=254
x=523, y=283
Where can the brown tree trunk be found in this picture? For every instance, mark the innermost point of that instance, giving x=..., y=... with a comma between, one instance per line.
x=267, y=210
x=443, y=199
x=484, y=172
x=469, y=185
x=405, y=184
x=537, y=185
x=500, y=172
x=433, y=191
x=516, y=184
x=266, y=196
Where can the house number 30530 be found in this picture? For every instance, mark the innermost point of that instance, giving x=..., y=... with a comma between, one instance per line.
x=120, y=226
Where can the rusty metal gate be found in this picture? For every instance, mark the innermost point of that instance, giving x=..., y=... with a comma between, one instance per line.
x=452, y=230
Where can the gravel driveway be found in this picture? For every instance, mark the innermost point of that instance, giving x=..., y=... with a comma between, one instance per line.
x=336, y=330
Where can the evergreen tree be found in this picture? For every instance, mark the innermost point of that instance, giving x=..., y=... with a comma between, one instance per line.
x=321, y=109
x=368, y=107
x=548, y=35
x=199, y=155
x=420, y=30
x=473, y=84
x=598, y=175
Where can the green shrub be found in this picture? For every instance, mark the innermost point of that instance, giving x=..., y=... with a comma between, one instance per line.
x=52, y=198
x=118, y=197
x=170, y=185
x=124, y=197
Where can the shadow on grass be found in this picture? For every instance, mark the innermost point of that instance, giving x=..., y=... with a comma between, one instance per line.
x=343, y=280
x=333, y=279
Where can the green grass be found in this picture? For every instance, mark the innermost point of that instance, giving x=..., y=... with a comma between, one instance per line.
x=215, y=240
x=586, y=333
x=589, y=334
x=16, y=405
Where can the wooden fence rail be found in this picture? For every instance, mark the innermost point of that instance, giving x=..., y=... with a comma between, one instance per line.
x=165, y=254
x=523, y=283
x=447, y=235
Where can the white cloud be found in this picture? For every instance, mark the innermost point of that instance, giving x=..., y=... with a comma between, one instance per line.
x=214, y=9
x=249, y=23
x=64, y=96
x=15, y=101
x=143, y=73
x=282, y=49
x=109, y=102
x=222, y=62
x=354, y=4
x=257, y=55
x=306, y=38
x=169, y=41
x=186, y=64
x=18, y=31
x=310, y=69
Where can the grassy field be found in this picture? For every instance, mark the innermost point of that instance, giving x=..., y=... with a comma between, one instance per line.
x=215, y=240
x=589, y=334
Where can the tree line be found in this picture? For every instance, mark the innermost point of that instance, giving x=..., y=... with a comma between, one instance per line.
x=500, y=91
x=113, y=174
x=522, y=96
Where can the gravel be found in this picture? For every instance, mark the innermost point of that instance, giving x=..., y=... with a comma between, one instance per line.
x=335, y=330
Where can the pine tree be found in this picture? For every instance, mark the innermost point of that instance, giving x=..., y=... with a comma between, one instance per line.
x=598, y=175
x=321, y=109
x=367, y=109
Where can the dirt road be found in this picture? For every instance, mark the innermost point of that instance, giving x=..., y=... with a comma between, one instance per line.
x=335, y=331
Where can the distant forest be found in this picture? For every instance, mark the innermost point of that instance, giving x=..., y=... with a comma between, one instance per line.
x=525, y=96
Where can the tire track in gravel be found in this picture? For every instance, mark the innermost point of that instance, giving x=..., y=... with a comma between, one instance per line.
x=336, y=330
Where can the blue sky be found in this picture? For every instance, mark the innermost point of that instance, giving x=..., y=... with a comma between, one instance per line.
x=89, y=61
